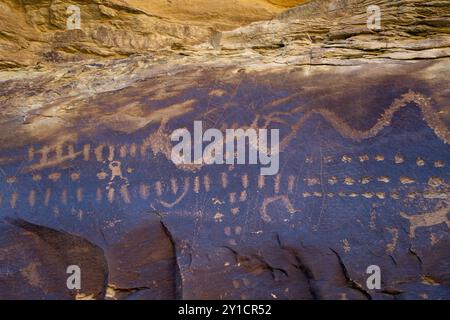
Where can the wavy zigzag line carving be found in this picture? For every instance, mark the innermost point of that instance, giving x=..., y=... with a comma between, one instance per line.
x=430, y=117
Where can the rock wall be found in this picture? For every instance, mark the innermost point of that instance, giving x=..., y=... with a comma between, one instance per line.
x=85, y=162
x=36, y=31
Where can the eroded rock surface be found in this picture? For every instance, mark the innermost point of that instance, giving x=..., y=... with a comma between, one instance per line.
x=36, y=31
x=364, y=128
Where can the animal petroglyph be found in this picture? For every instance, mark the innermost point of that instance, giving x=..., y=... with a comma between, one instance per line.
x=428, y=219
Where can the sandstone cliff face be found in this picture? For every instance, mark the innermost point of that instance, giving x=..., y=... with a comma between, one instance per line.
x=36, y=31
x=364, y=121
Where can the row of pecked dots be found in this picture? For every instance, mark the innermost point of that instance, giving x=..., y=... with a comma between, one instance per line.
x=398, y=159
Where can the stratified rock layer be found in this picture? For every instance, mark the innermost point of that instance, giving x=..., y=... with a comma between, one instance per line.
x=36, y=31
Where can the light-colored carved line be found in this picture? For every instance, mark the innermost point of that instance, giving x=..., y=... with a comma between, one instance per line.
x=55, y=176
x=364, y=158
x=327, y=159
x=367, y=195
x=399, y=158
x=144, y=191
x=125, y=194
x=111, y=192
x=381, y=195
x=30, y=154
x=174, y=185
x=243, y=196
x=395, y=195
x=59, y=152
x=48, y=194
x=98, y=195
x=102, y=175
x=333, y=180
x=207, y=183
x=197, y=184
x=435, y=182
x=428, y=219
x=234, y=211
x=79, y=194
x=277, y=183
x=75, y=176
x=44, y=155
x=430, y=117
x=291, y=183
x=158, y=188
x=312, y=181
x=111, y=150
x=123, y=151
x=146, y=145
x=64, y=196
x=366, y=180
x=390, y=247
x=245, y=181
x=51, y=163
x=232, y=197
x=384, y=179
x=412, y=195
x=98, y=151
x=420, y=162
x=71, y=152
x=439, y=164
x=11, y=180
x=351, y=194
x=346, y=159
x=349, y=181
x=283, y=198
x=261, y=181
